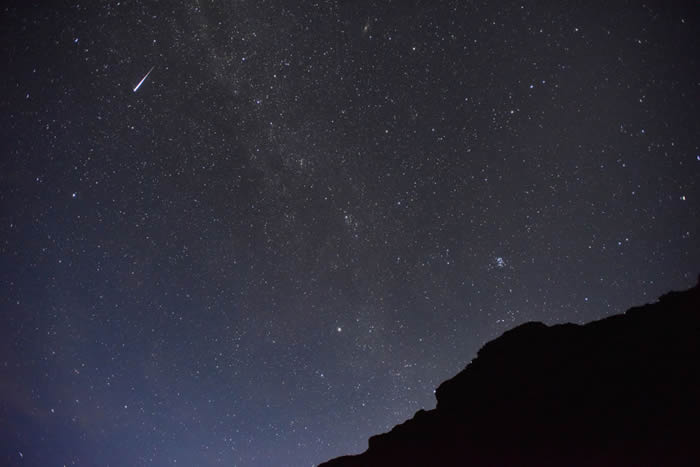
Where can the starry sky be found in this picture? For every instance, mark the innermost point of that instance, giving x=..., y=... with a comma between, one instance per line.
x=311, y=213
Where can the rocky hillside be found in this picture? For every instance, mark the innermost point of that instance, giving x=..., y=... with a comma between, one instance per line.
x=624, y=390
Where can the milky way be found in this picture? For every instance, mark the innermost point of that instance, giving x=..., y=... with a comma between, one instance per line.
x=312, y=213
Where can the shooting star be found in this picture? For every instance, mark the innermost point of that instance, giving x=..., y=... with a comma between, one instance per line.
x=144, y=79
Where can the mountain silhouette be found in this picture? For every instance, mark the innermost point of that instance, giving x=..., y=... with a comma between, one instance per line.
x=621, y=391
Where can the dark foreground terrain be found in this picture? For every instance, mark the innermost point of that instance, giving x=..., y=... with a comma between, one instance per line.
x=621, y=391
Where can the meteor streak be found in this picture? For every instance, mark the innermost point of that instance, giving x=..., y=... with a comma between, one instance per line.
x=144, y=79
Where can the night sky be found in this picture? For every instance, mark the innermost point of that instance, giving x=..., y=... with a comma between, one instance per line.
x=311, y=213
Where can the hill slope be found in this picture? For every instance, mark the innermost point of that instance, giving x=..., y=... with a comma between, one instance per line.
x=624, y=390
